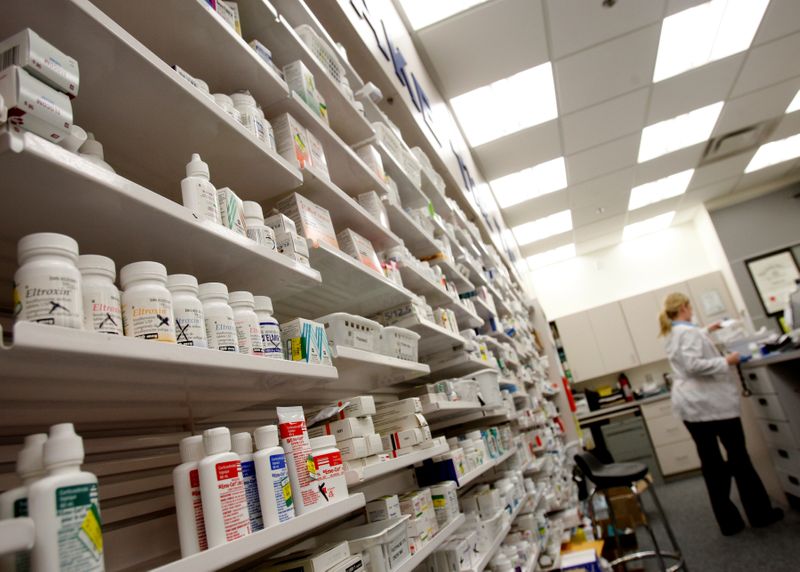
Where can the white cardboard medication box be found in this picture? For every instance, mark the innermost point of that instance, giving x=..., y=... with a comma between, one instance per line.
x=317, y=155
x=399, y=408
x=305, y=340
x=359, y=248
x=280, y=223
x=38, y=57
x=231, y=211
x=294, y=246
x=355, y=448
x=35, y=106
x=344, y=428
x=312, y=221
x=314, y=560
x=383, y=508
x=301, y=81
x=291, y=140
x=358, y=406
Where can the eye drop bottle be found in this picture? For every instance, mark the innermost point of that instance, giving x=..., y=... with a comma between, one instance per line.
x=199, y=195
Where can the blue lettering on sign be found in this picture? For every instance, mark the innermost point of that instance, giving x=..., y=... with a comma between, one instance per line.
x=363, y=13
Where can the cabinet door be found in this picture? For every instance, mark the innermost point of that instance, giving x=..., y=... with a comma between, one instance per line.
x=641, y=315
x=710, y=298
x=583, y=355
x=613, y=338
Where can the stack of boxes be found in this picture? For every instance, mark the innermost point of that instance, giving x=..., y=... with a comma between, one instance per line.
x=403, y=426
x=333, y=557
x=422, y=523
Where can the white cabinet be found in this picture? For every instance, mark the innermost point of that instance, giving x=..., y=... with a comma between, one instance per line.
x=613, y=338
x=580, y=346
x=674, y=447
x=641, y=315
x=710, y=298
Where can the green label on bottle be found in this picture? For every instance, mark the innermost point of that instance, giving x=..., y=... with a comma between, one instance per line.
x=80, y=538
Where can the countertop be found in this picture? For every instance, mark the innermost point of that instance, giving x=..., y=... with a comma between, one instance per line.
x=772, y=359
x=616, y=410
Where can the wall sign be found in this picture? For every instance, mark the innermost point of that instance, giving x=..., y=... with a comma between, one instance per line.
x=774, y=277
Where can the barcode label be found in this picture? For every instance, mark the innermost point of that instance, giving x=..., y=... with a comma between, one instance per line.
x=9, y=58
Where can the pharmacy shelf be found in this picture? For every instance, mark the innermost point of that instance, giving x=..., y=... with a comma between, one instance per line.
x=471, y=476
x=453, y=275
x=476, y=275
x=378, y=470
x=345, y=211
x=107, y=214
x=499, y=301
x=440, y=538
x=483, y=309
x=441, y=229
x=465, y=317
x=437, y=199
x=498, y=540
x=261, y=22
x=368, y=371
x=257, y=545
x=433, y=337
x=490, y=414
x=439, y=411
x=410, y=194
x=417, y=240
x=460, y=364
x=124, y=84
x=18, y=534
x=502, y=337
x=136, y=377
x=347, y=286
x=414, y=280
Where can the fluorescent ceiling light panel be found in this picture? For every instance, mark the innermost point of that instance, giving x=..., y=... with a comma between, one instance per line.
x=679, y=132
x=543, y=227
x=530, y=183
x=507, y=105
x=795, y=104
x=706, y=33
x=660, y=190
x=422, y=13
x=775, y=152
x=551, y=256
x=648, y=226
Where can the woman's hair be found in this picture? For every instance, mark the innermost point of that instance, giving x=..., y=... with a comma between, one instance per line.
x=672, y=305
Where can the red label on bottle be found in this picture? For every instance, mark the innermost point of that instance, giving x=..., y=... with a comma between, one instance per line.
x=328, y=460
x=291, y=429
x=228, y=470
x=194, y=478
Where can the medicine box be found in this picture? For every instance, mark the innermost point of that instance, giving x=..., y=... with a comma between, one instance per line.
x=293, y=246
x=317, y=155
x=399, y=343
x=39, y=58
x=414, y=421
x=374, y=443
x=343, y=428
x=312, y=221
x=355, y=448
x=280, y=223
x=314, y=560
x=359, y=248
x=35, y=106
x=398, y=408
x=301, y=81
x=352, y=564
x=369, y=154
x=230, y=14
x=383, y=508
x=445, y=501
x=291, y=141
x=352, y=331
x=402, y=439
x=375, y=207
x=305, y=340
x=384, y=543
x=358, y=406
x=231, y=210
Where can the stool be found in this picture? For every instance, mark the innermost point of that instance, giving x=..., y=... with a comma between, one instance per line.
x=605, y=476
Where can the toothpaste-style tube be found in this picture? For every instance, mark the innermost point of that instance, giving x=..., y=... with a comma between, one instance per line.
x=294, y=440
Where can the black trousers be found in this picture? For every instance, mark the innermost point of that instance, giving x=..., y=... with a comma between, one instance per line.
x=718, y=473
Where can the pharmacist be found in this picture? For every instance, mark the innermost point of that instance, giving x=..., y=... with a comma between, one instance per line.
x=706, y=397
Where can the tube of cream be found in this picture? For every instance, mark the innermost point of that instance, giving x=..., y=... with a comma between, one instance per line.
x=294, y=440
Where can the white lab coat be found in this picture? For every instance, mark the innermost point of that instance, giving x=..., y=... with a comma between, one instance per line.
x=703, y=388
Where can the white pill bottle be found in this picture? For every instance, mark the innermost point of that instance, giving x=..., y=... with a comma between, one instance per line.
x=248, y=331
x=218, y=316
x=190, y=326
x=102, y=309
x=188, y=504
x=146, y=302
x=270, y=329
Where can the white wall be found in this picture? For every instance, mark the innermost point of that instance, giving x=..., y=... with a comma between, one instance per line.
x=626, y=269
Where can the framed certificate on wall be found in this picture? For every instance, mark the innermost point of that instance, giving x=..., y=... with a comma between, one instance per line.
x=774, y=277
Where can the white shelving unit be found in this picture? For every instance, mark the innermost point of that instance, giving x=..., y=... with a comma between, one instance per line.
x=410, y=194
x=459, y=365
x=373, y=472
x=465, y=317
x=435, y=294
x=367, y=371
x=470, y=477
x=453, y=275
x=416, y=239
x=434, y=338
x=441, y=537
x=498, y=540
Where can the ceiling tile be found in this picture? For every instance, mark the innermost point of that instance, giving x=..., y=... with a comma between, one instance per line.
x=654, y=209
x=732, y=167
x=789, y=125
x=764, y=176
x=669, y=164
x=578, y=24
x=546, y=244
x=676, y=6
x=608, y=70
x=519, y=150
x=694, y=89
x=702, y=195
x=768, y=64
x=536, y=208
x=603, y=191
x=782, y=18
x=685, y=214
x=587, y=215
x=605, y=226
x=604, y=122
x=756, y=107
x=594, y=244
x=489, y=42
x=602, y=159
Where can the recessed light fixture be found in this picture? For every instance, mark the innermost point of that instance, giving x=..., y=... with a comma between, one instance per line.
x=508, y=105
x=530, y=183
x=679, y=132
x=422, y=13
x=795, y=104
x=706, y=33
x=648, y=226
x=543, y=227
x=774, y=152
x=551, y=256
x=660, y=190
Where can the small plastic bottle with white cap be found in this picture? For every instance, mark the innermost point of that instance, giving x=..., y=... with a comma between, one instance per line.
x=243, y=446
x=47, y=284
x=226, y=103
x=272, y=475
x=188, y=505
x=248, y=331
x=218, y=316
x=256, y=229
x=92, y=150
x=146, y=302
x=270, y=329
x=198, y=193
x=64, y=507
x=245, y=104
x=102, y=310
x=225, y=511
x=190, y=326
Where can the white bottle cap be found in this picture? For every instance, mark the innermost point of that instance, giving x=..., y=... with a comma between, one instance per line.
x=41, y=243
x=196, y=167
x=263, y=304
x=96, y=264
x=242, y=443
x=266, y=437
x=30, y=462
x=322, y=442
x=75, y=140
x=243, y=99
x=253, y=210
x=144, y=270
x=63, y=447
x=213, y=290
x=182, y=282
x=223, y=100
x=192, y=449
x=216, y=440
x=241, y=298
x=92, y=146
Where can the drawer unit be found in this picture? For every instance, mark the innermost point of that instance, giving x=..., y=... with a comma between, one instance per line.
x=768, y=407
x=778, y=433
x=759, y=381
x=658, y=409
x=786, y=460
x=678, y=458
x=790, y=482
x=666, y=430
x=627, y=440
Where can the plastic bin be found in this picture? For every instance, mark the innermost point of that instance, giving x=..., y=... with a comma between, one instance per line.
x=383, y=544
x=399, y=343
x=325, y=55
x=488, y=380
x=352, y=331
x=398, y=150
